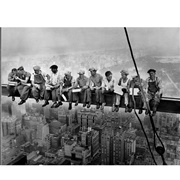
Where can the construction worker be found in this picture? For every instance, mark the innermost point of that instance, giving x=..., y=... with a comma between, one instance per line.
x=38, y=80
x=108, y=88
x=24, y=84
x=154, y=90
x=95, y=84
x=135, y=83
x=12, y=82
x=68, y=84
x=52, y=88
x=82, y=82
x=123, y=83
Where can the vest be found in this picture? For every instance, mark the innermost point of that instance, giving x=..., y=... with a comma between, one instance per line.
x=39, y=79
x=152, y=86
x=67, y=82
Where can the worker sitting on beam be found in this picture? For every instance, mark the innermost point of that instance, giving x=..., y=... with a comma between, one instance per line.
x=12, y=82
x=38, y=80
x=95, y=85
x=134, y=87
x=24, y=84
x=81, y=84
x=52, y=88
x=108, y=88
x=153, y=90
x=68, y=84
x=122, y=89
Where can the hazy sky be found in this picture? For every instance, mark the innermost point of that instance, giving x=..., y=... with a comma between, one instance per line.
x=33, y=41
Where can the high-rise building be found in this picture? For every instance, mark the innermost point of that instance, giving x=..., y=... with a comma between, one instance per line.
x=55, y=141
x=89, y=118
x=129, y=144
x=95, y=143
x=118, y=148
x=68, y=146
x=42, y=131
x=106, y=150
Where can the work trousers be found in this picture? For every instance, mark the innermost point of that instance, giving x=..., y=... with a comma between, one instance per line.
x=11, y=90
x=153, y=99
x=108, y=92
x=79, y=94
x=54, y=93
x=141, y=102
x=24, y=91
x=38, y=92
x=98, y=94
x=67, y=93
x=118, y=99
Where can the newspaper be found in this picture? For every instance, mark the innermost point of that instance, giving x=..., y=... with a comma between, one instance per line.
x=136, y=90
x=118, y=90
x=10, y=83
x=76, y=90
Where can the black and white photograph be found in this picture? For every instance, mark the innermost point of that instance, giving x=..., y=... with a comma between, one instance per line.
x=90, y=96
x=89, y=89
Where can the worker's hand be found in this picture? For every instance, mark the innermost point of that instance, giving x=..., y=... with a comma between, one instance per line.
x=103, y=90
x=158, y=94
x=98, y=87
x=52, y=87
x=83, y=88
x=17, y=78
x=36, y=86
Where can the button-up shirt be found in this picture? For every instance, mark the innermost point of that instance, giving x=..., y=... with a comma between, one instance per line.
x=55, y=79
x=11, y=77
x=81, y=82
x=109, y=85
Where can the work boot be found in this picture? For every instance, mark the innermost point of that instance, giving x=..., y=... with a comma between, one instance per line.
x=117, y=108
x=140, y=111
x=130, y=109
x=113, y=108
x=102, y=106
x=21, y=102
x=146, y=112
x=70, y=106
x=154, y=113
x=126, y=109
x=13, y=98
x=54, y=104
x=97, y=106
x=76, y=103
x=58, y=104
x=45, y=104
x=89, y=105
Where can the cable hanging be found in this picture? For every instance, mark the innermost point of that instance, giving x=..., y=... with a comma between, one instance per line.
x=159, y=149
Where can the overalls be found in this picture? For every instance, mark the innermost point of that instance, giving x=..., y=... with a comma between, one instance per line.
x=38, y=92
x=152, y=90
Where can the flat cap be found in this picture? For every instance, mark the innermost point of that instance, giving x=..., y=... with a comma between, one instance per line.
x=92, y=69
x=124, y=72
x=151, y=70
x=53, y=66
x=36, y=68
x=21, y=68
x=81, y=72
x=67, y=73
